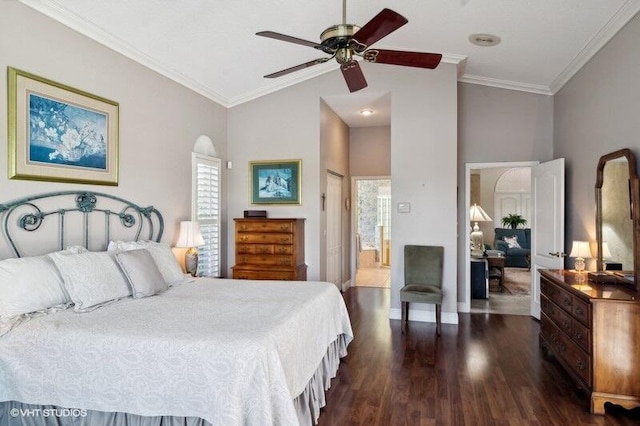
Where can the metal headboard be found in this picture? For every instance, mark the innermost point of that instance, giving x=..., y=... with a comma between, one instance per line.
x=30, y=213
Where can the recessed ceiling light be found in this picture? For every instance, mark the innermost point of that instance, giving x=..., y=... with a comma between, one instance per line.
x=366, y=112
x=484, y=40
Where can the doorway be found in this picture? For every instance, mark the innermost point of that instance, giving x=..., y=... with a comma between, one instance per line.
x=372, y=228
x=500, y=189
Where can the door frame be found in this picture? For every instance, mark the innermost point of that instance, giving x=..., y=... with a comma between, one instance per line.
x=354, y=218
x=465, y=306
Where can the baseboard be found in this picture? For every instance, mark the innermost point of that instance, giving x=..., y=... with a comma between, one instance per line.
x=421, y=315
x=346, y=285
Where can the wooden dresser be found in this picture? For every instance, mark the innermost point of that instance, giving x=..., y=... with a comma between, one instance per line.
x=270, y=249
x=593, y=330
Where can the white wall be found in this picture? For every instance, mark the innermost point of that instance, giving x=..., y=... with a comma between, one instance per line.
x=159, y=119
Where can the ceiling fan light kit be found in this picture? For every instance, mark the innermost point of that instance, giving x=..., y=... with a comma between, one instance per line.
x=346, y=42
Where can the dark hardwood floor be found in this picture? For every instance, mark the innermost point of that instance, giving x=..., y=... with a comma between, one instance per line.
x=487, y=370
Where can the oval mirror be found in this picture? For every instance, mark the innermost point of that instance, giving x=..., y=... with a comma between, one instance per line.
x=616, y=224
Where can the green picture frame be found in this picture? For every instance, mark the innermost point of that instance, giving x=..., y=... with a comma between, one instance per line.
x=276, y=182
x=60, y=134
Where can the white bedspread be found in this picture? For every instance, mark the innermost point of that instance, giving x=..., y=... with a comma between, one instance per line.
x=230, y=352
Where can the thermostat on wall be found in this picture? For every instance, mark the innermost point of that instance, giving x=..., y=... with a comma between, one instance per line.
x=404, y=207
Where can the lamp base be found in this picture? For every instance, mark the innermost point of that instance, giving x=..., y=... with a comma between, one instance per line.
x=191, y=261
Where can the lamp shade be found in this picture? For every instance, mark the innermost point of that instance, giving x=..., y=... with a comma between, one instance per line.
x=476, y=214
x=190, y=235
x=580, y=249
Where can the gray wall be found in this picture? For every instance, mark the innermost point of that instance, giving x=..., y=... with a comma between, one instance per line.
x=498, y=125
x=159, y=119
x=369, y=151
x=596, y=112
x=286, y=124
x=334, y=154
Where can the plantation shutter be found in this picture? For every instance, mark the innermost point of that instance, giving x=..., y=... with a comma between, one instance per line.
x=206, y=210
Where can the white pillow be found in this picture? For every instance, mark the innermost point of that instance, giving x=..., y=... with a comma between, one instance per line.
x=512, y=242
x=29, y=284
x=142, y=272
x=92, y=279
x=161, y=253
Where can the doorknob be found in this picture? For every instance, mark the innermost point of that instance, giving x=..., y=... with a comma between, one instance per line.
x=558, y=254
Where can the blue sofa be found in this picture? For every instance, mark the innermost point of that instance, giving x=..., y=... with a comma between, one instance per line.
x=514, y=257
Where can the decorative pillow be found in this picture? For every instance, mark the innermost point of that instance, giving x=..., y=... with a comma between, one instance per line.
x=512, y=242
x=161, y=253
x=142, y=272
x=92, y=279
x=29, y=284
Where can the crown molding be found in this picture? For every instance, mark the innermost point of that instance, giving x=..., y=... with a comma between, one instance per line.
x=606, y=33
x=505, y=84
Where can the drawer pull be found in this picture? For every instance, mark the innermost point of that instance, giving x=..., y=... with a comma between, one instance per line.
x=578, y=336
x=284, y=227
x=553, y=338
x=284, y=240
x=579, y=311
x=580, y=364
x=566, y=302
x=566, y=325
x=244, y=238
x=563, y=347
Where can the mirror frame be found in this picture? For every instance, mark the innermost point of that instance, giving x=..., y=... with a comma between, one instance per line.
x=634, y=196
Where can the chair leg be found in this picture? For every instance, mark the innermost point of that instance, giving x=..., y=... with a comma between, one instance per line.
x=404, y=316
x=438, y=315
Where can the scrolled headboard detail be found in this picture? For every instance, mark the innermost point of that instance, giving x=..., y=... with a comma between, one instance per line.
x=30, y=213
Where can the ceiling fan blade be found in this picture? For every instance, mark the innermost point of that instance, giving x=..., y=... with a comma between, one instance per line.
x=290, y=39
x=383, y=24
x=353, y=76
x=407, y=59
x=297, y=68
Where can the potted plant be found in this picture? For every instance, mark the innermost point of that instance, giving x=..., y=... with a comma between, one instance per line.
x=513, y=220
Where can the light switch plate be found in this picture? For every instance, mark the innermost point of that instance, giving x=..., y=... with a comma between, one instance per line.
x=404, y=207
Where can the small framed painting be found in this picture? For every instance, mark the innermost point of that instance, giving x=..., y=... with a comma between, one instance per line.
x=275, y=182
x=58, y=133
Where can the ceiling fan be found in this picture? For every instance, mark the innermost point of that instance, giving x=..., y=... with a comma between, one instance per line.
x=345, y=42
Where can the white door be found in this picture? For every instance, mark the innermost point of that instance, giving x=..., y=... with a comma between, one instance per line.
x=547, y=227
x=334, y=229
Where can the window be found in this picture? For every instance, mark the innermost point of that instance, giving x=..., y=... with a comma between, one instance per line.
x=206, y=210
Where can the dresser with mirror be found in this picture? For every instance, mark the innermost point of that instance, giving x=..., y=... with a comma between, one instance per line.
x=590, y=322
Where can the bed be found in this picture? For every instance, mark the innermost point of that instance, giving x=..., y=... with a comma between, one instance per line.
x=126, y=338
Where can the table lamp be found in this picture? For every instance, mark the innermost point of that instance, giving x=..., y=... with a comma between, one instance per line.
x=190, y=237
x=476, y=214
x=580, y=250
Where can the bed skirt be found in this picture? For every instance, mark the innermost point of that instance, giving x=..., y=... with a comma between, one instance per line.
x=307, y=404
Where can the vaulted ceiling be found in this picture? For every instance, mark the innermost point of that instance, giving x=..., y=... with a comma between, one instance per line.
x=211, y=46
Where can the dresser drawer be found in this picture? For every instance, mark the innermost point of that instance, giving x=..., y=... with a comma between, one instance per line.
x=581, y=310
x=562, y=319
x=270, y=226
x=258, y=238
x=254, y=248
x=559, y=296
x=581, y=335
x=267, y=259
x=240, y=274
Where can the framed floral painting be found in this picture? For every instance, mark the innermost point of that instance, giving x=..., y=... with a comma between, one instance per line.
x=58, y=133
x=275, y=182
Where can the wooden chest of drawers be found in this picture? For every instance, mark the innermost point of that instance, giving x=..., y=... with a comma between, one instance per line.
x=593, y=331
x=270, y=249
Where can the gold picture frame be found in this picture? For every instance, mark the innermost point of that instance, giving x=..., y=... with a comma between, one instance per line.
x=60, y=134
